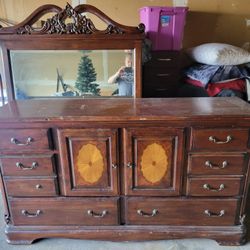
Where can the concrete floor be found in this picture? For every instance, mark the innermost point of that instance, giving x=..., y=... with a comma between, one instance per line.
x=71, y=244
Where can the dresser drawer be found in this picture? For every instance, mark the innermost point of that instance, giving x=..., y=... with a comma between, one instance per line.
x=153, y=211
x=165, y=58
x=31, y=187
x=219, y=139
x=214, y=187
x=65, y=211
x=41, y=165
x=24, y=139
x=167, y=90
x=221, y=164
x=161, y=76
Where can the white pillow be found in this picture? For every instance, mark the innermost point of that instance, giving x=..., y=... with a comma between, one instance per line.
x=219, y=54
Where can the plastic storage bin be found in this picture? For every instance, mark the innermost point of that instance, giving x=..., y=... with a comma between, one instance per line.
x=164, y=26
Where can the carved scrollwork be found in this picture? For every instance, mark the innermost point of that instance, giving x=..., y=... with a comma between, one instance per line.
x=79, y=24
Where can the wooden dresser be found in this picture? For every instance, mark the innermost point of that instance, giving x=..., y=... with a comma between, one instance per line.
x=125, y=169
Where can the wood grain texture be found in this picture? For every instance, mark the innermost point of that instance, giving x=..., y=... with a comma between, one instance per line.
x=122, y=204
x=29, y=165
x=209, y=164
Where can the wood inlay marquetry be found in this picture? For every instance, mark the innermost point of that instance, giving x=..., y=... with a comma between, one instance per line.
x=154, y=162
x=90, y=163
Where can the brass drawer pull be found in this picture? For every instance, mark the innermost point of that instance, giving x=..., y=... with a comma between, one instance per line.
x=215, y=140
x=23, y=167
x=18, y=143
x=211, y=214
x=31, y=215
x=162, y=75
x=97, y=215
x=164, y=59
x=130, y=165
x=154, y=213
x=208, y=187
x=114, y=165
x=215, y=166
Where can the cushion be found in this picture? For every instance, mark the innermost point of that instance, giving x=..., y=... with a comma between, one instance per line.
x=219, y=54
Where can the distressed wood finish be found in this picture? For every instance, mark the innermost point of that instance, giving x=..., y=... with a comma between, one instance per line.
x=124, y=203
x=24, y=139
x=221, y=139
x=42, y=165
x=103, y=171
x=31, y=187
x=75, y=211
x=141, y=163
x=175, y=211
x=210, y=164
x=214, y=187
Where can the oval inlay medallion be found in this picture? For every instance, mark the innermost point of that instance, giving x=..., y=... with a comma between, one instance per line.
x=90, y=163
x=154, y=162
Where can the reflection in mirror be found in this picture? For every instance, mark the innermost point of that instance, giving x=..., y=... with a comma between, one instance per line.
x=72, y=73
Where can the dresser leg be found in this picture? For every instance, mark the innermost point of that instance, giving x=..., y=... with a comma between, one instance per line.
x=16, y=239
x=234, y=241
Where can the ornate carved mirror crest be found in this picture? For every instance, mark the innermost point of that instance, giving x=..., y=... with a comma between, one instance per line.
x=80, y=23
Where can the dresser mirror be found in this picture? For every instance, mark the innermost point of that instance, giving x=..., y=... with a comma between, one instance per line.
x=68, y=57
x=72, y=73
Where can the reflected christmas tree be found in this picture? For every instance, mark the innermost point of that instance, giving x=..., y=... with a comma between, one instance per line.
x=86, y=78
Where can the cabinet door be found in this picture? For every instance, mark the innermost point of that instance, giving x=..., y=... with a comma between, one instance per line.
x=88, y=161
x=153, y=158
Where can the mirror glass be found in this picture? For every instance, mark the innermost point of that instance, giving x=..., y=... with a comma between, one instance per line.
x=72, y=73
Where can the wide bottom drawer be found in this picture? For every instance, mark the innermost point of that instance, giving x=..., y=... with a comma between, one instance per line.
x=198, y=212
x=64, y=211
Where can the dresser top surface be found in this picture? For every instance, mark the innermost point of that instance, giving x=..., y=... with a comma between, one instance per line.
x=124, y=109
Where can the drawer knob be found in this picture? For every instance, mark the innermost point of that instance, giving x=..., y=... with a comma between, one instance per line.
x=31, y=215
x=97, y=215
x=23, y=167
x=208, y=187
x=39, y=186
x=215, y=140
x=215, y=166
x=18, y=143
x=144, y=214
x=211, y=214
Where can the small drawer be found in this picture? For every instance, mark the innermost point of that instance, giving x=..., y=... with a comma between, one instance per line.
x=159, y=76
x=169, y=90
x=31, y=187
x=221, y=164
x=65, y=211
x=214, y=187
x=219, y=139
x=24, y=139
x=165, y=58
x=191, y=212
x=27, y=165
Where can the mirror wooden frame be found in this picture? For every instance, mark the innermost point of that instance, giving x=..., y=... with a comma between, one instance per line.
x=79, y=34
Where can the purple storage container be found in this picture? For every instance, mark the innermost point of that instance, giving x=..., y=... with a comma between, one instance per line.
x=164, y=26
